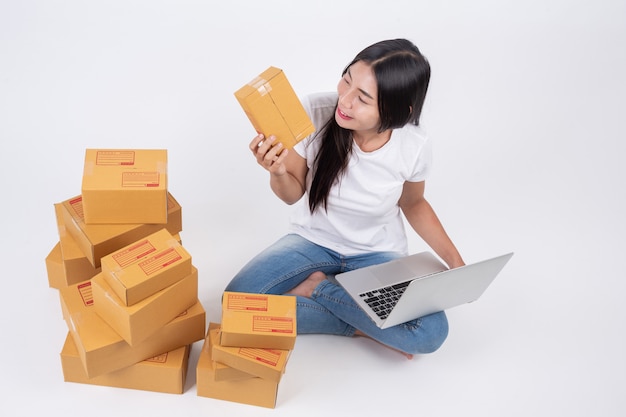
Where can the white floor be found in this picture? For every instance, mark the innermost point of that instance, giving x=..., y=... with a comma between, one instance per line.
x=526, y=108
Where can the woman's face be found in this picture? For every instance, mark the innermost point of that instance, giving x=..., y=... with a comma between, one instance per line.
x=357, y=108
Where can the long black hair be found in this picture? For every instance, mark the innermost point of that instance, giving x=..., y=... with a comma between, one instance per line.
x=402, y=75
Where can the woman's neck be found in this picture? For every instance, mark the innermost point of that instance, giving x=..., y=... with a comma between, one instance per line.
x=371, y=141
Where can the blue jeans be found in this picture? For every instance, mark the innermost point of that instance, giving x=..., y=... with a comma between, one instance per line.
x=331, y=310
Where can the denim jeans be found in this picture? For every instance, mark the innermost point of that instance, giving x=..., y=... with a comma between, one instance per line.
x=331, y=310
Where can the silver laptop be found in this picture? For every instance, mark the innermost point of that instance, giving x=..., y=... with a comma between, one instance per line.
x=417, y=285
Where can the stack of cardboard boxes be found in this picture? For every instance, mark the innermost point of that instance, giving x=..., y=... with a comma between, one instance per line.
x=128, y=288
x=245, y=356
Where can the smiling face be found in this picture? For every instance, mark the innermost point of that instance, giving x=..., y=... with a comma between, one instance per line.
x=357, y=108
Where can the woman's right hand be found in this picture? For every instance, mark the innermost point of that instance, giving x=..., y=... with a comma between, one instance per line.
x=269, y=153
x=287, y=169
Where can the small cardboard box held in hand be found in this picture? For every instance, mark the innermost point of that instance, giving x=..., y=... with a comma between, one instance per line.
x=273, y=108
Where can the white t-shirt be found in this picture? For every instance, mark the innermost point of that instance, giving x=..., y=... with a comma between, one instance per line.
x=363, y=213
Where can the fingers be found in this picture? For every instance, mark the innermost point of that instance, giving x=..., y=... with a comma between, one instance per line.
x=275, y=154
x=256, y=142
x=268, y=152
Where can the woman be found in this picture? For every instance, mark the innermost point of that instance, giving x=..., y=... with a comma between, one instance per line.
x=360, y=171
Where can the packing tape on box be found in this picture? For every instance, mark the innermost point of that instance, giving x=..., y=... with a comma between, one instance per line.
x=161, y=167
x=206, y=347
x=75, y=222
x=112, y=297
x=71, y=323
x=118, y=274
x=173, y=243
x=74, y=321
x=261, y=85
x=88, y=170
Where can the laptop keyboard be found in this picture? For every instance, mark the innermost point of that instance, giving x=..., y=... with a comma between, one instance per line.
x=384, y=299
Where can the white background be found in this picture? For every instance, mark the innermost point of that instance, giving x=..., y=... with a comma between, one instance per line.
x=526, y=109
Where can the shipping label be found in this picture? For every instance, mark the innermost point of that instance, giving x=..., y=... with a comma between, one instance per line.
x=140, y=179
x=133, y=253
x=272, y=324
x=160, y=261
x=162, y=358
x=116, y=158
x=86, y=293
x=267, y=356
x=247, y=302
x=77, y=205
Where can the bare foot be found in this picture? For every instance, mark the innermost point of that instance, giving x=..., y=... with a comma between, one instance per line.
x=306, y=287
x=360, y=333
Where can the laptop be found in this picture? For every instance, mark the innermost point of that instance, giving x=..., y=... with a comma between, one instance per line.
x=417, y=285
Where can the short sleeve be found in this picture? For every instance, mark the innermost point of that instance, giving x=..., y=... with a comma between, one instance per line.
x=423, y=163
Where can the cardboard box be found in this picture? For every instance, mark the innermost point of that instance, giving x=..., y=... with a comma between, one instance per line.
x=258, y=320
x=268, y=364
x=146, y=266
x=223, y=372
x=66, y=263
x=250, y=390
x=174, y=215
x=141, y=320
x=164, y=373
x=273, y=108
x=125, y=186
x=98, y=240
x=55, y=268
x=65, y=272
x=103, y=350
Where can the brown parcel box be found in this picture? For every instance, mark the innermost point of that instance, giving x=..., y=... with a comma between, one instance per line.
x=102, y=350
x=139, y=321
x=72, y=266
x=98, y=240
x=146, y=266
x=258, y=320
x=164, y=373
x=65, y=272
x=265, y=363
x=125, y=186
x=250, y=390
x=55, y=268
x=223, y=372
x=273, y=108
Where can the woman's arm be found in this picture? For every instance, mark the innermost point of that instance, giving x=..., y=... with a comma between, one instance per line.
x=425, y=222
x=287, y=169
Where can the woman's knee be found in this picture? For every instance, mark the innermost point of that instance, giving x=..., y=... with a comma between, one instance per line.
x=429, y=333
